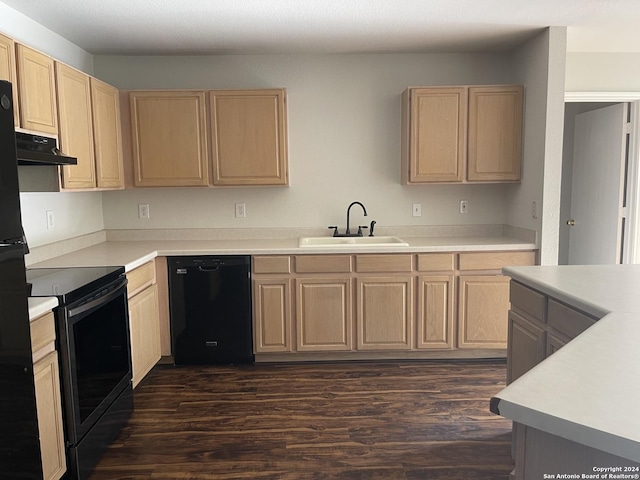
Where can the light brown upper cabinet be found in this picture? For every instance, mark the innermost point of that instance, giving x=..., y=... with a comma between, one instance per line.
x=36, y=91
x=76, y=126
x=462, y=134
x=169, y=135
x=89, y=116
x=495, y=133
x=107, y=135
x=434, y=124
x=249, y=137
x=8, y=71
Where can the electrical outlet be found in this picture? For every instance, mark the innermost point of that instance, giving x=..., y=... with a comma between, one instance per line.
x=417, y=210
x=464, y=206
x=143, y=211
x=241, y=210
x=51, y=220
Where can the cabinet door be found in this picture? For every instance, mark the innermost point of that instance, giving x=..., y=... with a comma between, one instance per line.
x=436, y=135
x=169, y=134
x=249, y=135
x=105, y=103
x=385, y=313
x=272, y=315
x=36, y=91
x=554, y=343
x=144, y=324
x=435, y=312
x=48, y=402
x=8, y=71
x=324, y=320
x=482, y=311
x=76, y=127
x=495, y=133
x=526, y=346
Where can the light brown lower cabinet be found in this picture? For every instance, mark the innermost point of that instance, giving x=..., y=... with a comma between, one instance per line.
x=435, y=316
x=48, y=399
x=378, y=304
x=145, y=332
x=272, y=315
x=483, y=307
x=323, y=314
x=385, y=313
x=144, y=320
x=47, y=385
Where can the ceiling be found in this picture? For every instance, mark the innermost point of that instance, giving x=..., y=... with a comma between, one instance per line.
x=153, y=27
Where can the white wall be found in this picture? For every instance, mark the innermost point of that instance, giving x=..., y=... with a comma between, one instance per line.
x=603, y=72
x=540, y=65
x=75, y=214
x=24, y=30
x=344, y=140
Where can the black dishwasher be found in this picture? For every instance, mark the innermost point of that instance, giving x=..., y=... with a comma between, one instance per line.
x=210, y=306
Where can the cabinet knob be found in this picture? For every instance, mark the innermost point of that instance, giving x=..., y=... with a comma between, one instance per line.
x=571, y=222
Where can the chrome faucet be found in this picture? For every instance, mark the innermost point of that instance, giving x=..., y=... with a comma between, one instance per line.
x=347, y=232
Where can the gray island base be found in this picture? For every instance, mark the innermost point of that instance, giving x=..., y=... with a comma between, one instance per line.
x=573, y=372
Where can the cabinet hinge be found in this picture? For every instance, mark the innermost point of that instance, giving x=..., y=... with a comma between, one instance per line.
x=627, y=127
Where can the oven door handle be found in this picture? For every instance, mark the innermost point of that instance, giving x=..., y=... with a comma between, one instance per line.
x=93, y=304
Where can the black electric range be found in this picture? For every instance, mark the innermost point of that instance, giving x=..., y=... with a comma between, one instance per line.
x=92, y=327
x=70, y=284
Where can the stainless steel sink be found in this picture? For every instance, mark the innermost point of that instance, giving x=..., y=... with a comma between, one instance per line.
x=352, y=242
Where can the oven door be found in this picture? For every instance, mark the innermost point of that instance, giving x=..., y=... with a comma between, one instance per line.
x=95, y=355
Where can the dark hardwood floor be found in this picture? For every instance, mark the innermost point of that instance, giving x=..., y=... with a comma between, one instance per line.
x=427, y=420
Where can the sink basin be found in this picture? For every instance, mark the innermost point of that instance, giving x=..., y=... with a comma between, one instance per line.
x=352, y=242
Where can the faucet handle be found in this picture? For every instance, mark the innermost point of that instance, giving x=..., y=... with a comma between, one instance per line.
x=360, y=227
x=335, y=230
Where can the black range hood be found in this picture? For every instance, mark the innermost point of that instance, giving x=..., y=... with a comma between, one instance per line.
x=39, y=150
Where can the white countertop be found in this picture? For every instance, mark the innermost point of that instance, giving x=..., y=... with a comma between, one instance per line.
x=588, y=391
x=132, y=254
x=40, y=305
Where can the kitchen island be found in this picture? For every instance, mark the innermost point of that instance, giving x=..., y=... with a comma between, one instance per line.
x=577, y=410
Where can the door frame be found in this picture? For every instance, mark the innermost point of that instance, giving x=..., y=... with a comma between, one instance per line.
x=631, y=249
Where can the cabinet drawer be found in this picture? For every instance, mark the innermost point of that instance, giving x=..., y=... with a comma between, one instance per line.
x=528, y=301
x=383, y=263
x=281, y=264
x=141, y=278
x=436, y=262
x=495, y=260
x=323, y=264
x=43, y=332
x=566, y=320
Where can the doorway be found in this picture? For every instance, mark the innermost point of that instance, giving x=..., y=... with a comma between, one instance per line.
x=607, y=229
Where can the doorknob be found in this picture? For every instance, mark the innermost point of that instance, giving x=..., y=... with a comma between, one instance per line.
x=571, y=222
